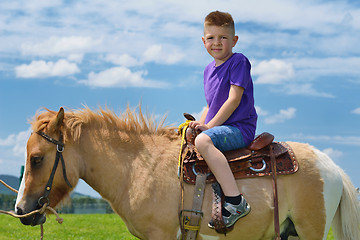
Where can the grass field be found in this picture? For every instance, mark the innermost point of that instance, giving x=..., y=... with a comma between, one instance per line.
x=79, y=226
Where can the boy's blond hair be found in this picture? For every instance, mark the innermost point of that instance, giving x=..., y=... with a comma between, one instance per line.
x=220, y=19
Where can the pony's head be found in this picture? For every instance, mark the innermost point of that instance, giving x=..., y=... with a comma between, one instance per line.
x=68, y=141
x=45, y=178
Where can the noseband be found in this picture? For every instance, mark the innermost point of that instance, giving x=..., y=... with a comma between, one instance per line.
x=59, y=149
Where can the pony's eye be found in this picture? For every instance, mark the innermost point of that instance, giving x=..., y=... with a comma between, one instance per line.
x=36, y=161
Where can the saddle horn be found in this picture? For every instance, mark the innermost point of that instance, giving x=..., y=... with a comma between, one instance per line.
x=190, y=117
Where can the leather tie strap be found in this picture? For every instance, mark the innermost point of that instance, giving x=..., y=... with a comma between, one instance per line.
x=196, y=213
x=216, y=214
x=276, y=203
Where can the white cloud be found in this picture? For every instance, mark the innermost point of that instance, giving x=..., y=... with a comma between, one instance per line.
x=333, y=153
x=343, y=140
x=16, y=142
x=162, y=55
x=129, y=34
x=42, y=69
x=122, y=60
x=356, y=111
x=13, y=150
x=321, y=17
x=305, y=89
x=282, y=116
x=274, y=71
x=261, y=112
x=75, y=58
x=121, y=77
x=197, y=115
x=295, y=76
x=12, y=139
x=55, y=46
x=326, y=66
x=38, y=4
x=116, y=28
x=155, y=53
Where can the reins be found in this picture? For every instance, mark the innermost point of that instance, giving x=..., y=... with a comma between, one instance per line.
x=40, y=211
x=44, y=201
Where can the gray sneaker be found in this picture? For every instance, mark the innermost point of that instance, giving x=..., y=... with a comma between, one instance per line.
x=237, y=212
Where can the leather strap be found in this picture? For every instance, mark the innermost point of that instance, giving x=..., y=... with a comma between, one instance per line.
x=50, y=139
x=216, y=214
x=196, y=213
x=276, y=203
x=59, y=157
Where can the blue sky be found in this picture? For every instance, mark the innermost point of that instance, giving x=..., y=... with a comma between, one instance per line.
x=305, y=58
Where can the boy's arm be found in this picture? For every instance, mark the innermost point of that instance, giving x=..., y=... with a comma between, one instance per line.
x=203, y=115
x=229, y=106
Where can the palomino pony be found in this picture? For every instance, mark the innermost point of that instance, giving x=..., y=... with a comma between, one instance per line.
x=132, y=162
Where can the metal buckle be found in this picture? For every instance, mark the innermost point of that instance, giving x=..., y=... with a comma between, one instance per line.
x=196, y=173
x=43, y=200
x=259, y=169
x=59, y=150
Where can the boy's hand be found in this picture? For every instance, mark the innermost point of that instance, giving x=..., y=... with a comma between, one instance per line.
x=193, y=124
x=198, y=126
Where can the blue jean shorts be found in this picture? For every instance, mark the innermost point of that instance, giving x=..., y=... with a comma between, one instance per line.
x=226, y=138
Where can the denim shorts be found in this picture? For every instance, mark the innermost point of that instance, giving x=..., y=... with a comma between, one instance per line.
x=226, y=138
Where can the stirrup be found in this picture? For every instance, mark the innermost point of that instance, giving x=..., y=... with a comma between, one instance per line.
x=236, y=211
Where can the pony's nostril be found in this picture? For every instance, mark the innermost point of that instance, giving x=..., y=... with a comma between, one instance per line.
x=19, y=211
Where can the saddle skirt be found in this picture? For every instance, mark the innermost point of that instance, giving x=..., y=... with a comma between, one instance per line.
x=253, y=161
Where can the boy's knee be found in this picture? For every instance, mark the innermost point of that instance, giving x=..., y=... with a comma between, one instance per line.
x=202, y=141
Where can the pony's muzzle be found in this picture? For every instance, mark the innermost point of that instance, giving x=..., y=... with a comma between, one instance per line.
x=33, y=219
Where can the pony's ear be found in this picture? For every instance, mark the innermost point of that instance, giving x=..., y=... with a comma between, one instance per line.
x=56, y=123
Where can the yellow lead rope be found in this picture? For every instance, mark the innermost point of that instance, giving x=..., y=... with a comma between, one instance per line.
x=182, y=129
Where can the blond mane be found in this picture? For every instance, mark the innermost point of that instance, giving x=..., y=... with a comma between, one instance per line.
x=130, y=121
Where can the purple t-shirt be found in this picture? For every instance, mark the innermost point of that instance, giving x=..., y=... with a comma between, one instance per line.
x=217, y=81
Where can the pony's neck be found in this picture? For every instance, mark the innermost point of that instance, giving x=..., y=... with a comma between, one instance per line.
x=105, y=160
x=121, y=166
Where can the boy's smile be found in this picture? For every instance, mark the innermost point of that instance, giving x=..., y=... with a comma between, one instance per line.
x=219, y=42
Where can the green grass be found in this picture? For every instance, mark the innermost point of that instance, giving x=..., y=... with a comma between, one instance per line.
x=79, y=226
x=330, y=236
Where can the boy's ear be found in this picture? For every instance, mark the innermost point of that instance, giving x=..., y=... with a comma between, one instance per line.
x=235, y=39
x=203, y=39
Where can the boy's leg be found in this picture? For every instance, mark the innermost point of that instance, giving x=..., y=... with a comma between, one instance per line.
x=218, y=165
x=235, y=205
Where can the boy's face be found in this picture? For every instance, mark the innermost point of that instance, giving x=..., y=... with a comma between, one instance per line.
x=219, y=42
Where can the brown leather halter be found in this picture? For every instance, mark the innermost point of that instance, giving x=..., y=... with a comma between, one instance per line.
x=44, y=199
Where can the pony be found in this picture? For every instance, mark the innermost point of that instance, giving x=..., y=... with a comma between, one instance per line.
x=131, y=161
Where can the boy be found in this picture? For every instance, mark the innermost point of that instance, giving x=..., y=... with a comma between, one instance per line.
x=229, y=120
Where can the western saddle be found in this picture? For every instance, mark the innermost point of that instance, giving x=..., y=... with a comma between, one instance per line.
x=263, y=157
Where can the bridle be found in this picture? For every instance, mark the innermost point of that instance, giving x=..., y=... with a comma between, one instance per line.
x=44, y=199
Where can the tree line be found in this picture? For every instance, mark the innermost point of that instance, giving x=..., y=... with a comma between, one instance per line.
x=80, y=204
